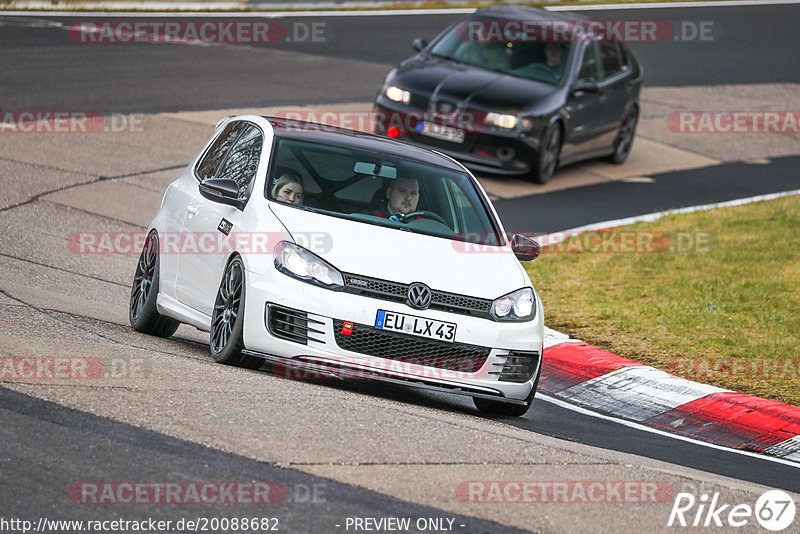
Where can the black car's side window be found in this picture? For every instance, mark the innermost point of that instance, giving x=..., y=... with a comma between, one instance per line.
x=241, y=163
x=612, y=58
x=589, y=64
x=209, y=164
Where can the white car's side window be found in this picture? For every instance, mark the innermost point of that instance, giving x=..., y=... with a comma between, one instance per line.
x=241, y=163
x=209, y=164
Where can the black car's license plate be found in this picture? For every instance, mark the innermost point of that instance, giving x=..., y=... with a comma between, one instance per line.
x=446, y=133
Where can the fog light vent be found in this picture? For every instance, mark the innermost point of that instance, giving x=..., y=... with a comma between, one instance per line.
x=519, y=366
x=294, y=325
x=506, y=153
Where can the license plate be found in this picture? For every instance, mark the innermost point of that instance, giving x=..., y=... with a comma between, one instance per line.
x=431, y=129
x=416, y=326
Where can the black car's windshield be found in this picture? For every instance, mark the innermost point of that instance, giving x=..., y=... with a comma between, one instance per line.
x=538, y=60
x=380, y=189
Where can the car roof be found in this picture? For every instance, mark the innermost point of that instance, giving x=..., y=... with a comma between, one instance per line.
x=509, y=11
x=331, y=135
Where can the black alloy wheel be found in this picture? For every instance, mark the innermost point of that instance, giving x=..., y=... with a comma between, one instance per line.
x=142, y=311
x=227, y=319
x=546, y=161
x=624, y=141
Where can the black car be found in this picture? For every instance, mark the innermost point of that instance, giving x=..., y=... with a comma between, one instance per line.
x=507, y=91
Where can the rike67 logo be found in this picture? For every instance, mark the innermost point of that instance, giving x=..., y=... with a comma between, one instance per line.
x=774, y=510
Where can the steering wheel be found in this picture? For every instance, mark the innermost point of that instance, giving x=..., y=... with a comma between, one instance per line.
x=424, y=214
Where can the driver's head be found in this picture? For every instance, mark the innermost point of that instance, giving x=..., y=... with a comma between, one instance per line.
x=403, y=195
x=554, y=52
x=288, y=188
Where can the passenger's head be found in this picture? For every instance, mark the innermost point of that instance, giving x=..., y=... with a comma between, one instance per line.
x=554, y=53
x=288, y=188
x=402, y=195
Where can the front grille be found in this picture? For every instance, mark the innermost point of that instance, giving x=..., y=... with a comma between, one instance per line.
x=367, y=340
x=373, y=287
x=397, y=292
x=418, y=101
x=460, y=303
x=293, y=325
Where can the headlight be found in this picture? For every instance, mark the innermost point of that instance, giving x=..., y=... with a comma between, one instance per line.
x=396, y=94
x=299, y=263
x=516, y=306
x=503, y=121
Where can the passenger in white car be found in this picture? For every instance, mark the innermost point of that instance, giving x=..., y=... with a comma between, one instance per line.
x=288, y=188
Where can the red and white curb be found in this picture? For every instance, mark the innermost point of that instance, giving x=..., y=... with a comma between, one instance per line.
x=579, y=373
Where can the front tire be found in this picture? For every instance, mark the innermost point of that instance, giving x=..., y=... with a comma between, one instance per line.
x=142, y=311
x=624, y=141
x=490, y=407
x=227, y=319
x=545, y=163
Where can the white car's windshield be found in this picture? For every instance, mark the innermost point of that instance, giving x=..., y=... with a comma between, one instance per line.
x=379, y=189
x=535, y=59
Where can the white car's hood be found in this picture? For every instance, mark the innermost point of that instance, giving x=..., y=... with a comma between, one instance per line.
x=405, y=257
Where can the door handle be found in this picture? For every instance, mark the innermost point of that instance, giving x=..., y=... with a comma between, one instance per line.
x=192, y=209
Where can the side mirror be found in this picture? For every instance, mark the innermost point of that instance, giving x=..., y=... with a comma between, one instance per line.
x=222, y=190
x=585, y=86
x=525, y=248
x=419, y=44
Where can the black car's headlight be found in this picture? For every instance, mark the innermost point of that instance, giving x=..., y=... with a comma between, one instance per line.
x=299, y=263
x=501, y=120
x=519, y=305
x=395, y=94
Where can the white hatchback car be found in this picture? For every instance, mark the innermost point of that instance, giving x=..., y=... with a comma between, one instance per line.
x=352, y=255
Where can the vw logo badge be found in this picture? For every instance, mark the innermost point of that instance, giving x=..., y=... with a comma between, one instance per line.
x=419, y=296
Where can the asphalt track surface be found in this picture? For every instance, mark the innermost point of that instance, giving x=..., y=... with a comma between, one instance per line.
x=50, y=455
x=52, y=72
x=46, y=444
x=574, y=208
x=552, y=420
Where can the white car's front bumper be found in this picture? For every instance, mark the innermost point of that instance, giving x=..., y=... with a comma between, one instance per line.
x=474, y=363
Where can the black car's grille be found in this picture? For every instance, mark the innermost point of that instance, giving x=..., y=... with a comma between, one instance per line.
x=367, y=340
x=397, y=292
x=293, y=325
x=419, y=101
